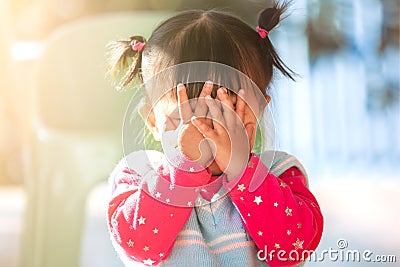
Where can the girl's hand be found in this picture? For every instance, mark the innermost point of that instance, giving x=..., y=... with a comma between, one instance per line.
x=189, y=140
x=229, y=134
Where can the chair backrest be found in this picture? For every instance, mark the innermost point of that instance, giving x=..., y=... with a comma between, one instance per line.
x=72, y=91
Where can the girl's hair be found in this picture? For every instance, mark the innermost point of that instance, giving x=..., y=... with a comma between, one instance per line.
x=204, y=36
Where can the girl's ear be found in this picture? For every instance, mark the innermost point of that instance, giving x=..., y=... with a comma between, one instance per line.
x=147, y=114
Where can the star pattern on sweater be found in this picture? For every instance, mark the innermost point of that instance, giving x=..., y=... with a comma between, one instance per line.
x=241, y=187
x=130, y=243
x=288, y=211
x=148, y=262
x=276, y=204
x=258, y=200
x=282, y=184
x=155, y=231
x=158, y=195
x=276, y=246
x=260, y=233
x=298, y=244
x=146, y=248
x=142, y=220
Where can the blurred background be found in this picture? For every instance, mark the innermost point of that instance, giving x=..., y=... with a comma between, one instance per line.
x=61, y=120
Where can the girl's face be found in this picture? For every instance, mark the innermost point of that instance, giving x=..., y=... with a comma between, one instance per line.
x=165, y=117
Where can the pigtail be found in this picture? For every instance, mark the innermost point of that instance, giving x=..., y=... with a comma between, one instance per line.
x=126, y=59
x=268, y=19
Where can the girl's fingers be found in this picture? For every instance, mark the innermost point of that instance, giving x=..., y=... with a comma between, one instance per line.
x=240, y=105
x=170, y=124
x=227, y=107
x=223, y=96
x=254, y=101
x=207, y=89
x=185, y=111
x=201, y=107
x=203, y=128
x=216, y=114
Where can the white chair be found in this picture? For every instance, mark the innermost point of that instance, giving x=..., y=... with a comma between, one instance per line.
x=76, y=132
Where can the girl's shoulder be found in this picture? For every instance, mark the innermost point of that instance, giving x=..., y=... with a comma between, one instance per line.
x=279, y=161
x=141, y=162
x=135, y=166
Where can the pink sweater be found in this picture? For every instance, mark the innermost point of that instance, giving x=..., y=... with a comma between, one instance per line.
x=178, y=214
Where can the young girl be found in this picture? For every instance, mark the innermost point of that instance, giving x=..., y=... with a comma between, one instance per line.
x=208, y=200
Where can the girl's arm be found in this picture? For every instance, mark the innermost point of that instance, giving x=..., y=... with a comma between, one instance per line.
x=147, y=211
x=280, y=213
x=150, y=205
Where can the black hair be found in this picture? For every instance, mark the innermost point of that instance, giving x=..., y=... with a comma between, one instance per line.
x=198, y=35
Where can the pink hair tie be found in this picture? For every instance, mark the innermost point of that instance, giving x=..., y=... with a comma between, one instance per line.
x=262, y=32
x=137, y=46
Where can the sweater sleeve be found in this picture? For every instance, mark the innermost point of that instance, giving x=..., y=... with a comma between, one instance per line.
x=280, y=214
x=149, y=207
